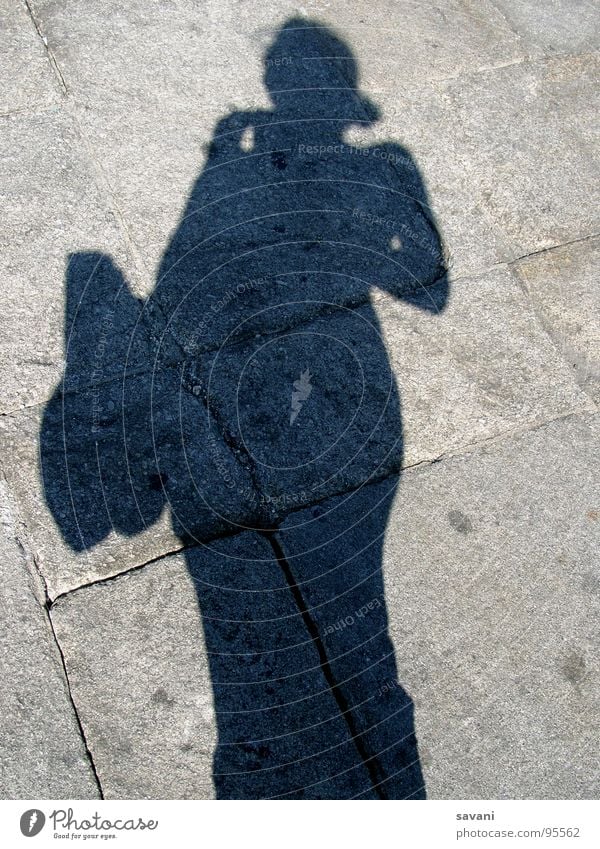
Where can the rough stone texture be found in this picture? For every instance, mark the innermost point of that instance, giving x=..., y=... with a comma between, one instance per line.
x=432, y=53
x=507, y=205
x=182, y=68
x=563, y=26
x=563, y=287
x=530, y=159
x=53, y=208
x=491, y=583
x=510, y=167
x=27, y=77
x=480, y=369
x=43, y=755
x=334, y=553
x=112, y=476
x=138, y=655
x=135, y=658
x=472, y=238
x=411, y=45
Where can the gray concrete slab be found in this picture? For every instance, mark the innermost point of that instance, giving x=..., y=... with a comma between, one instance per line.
x=113, y=476
x=490, y=578
x=482, y=368
x=137, y=666
x=315, y=408
x=407, y=44
x=563, y=287
x=43, y=755
x=529, y=158
x=27, y=77
x=180, y=671
x=57, y=227
x=146, y=57
x=507, y=155
x=454, y=109
x=563, y=26
x=424, y=121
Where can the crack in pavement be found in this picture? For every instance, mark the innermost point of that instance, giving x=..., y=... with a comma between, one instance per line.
x=463, y=450
x=311, y=626
x=45, y=605
x=88, y=752
x=49, y=54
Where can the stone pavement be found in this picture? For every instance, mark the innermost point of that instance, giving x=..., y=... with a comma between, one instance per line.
x=217, y=285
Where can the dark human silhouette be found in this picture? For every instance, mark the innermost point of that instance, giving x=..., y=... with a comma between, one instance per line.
x=252, y=395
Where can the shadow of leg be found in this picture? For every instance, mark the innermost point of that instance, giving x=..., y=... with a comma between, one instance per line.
x=334, y=553
x=280, y=733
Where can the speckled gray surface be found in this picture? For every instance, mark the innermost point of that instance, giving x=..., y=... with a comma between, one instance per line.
x=253, y=268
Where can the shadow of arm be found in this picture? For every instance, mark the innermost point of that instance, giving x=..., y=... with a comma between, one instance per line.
x=415, y=245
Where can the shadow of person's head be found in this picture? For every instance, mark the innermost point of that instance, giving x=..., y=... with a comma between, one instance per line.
x=311, y=71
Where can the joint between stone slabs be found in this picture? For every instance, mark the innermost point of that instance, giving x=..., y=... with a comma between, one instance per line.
x=45, y=607
x=86, y=747
x=545, y=325
x=271, y=523
x=41, y=106
x=321, y=312
x=505, y=436
x=102, y=181
x=460, y=451
x=49, y=54
x=104, y=185
x=239, y=452
x=576, y=241
x=82, y=387
x=62, y=596
x=329, y=309
x=23, y=544
x=509, y=263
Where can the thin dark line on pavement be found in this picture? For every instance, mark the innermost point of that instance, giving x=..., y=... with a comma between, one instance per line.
x=311, y=626
x=49, y=54
x=84, y=740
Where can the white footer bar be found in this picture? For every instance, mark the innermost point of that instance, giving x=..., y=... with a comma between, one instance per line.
x=287, y=824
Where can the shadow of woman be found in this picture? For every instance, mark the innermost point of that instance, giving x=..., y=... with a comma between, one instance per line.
x=261, y=317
